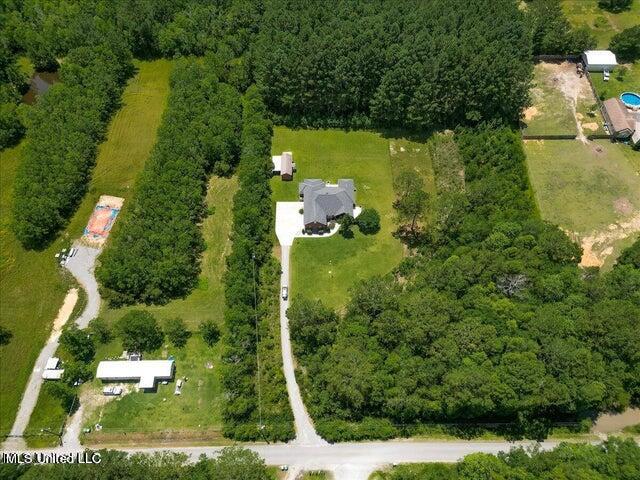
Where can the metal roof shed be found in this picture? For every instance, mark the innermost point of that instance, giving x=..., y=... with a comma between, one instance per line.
x=147, y=372
x=599, y=60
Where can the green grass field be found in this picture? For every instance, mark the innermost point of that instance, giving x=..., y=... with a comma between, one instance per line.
x=31, y=292
x=603, y=24
x=326, y=268
x=585, y=188
x=196, y=414
x=617, y=84
x=551, y=113
x=130, y=137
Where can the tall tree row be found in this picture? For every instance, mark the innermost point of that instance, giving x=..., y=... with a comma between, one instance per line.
x=154, y=254
x=256, y=406
x=64, y=129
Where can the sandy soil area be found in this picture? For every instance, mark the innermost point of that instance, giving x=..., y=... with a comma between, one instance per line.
x=598, y=246
x=64, y=313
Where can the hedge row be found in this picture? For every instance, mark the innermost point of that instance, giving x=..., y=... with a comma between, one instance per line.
x=154, y=254
x=64, y=129
x=251, y=270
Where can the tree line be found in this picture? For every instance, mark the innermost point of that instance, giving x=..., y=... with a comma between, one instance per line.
x=615, y=458
x=251, y=294
x=64, y=129
x=13, y=84
x=492, y=321
x=154, y=253
x=232, y=463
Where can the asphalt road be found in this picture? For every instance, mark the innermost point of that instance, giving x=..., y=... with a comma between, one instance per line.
x=348, y=461
x=305, y=431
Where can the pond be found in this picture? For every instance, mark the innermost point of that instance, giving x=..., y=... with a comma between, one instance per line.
x=40, y=83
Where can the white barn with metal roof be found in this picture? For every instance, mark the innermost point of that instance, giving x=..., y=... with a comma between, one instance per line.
x=147, y=372
x=599, y=60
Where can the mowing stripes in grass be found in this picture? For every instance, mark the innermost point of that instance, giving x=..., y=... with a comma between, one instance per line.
x=65, y=127
x=154, y=255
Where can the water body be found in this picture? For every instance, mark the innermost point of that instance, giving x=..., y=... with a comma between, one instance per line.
x=40, y=83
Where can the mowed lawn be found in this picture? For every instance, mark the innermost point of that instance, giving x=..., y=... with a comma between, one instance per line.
x=624, y=79
x=326, y=268
x=603, y=24
x=197, y=413
x=585, y=188
x=129, y=139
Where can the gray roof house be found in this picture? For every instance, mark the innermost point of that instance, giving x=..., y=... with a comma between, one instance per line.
x=620, y=122
x=325, y=202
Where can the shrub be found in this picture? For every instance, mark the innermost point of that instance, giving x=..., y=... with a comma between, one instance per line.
x=177, y=332
x=78, y=343
x=5, y=335
x=369, y=221
x=76, y=372
x=139, y=331
x=615, y=6
x=100, y=330
x=626, y=44
x=210, y=332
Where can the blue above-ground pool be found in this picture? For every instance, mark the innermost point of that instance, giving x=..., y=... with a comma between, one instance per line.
x=630, y=99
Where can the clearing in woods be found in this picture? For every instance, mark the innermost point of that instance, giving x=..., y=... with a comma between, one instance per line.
x=591, y=190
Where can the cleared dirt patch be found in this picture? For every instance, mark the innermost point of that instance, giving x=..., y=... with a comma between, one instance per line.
x=64, y=313
x=598, y=246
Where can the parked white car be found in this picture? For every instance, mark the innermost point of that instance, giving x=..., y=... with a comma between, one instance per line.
x=285, y=293
x=111, y=391
x=178, y=390
x=605, y=75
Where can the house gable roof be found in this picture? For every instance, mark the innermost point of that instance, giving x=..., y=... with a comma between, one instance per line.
x=323, y=202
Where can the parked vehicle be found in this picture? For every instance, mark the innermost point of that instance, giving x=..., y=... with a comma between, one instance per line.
x=606, y=75
x=112, y=391
x=178, y=390
x=285, y=293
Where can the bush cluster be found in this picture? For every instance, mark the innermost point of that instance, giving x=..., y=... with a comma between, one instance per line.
x=65, y=127
x=154, y=252
x=251, y=294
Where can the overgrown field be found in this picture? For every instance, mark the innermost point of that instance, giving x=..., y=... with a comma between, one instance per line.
x=591, y=190
x=121, y=157
x=602, y=24
x=325, y=268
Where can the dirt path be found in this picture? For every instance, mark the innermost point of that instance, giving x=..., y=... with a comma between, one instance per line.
x=616, y=422
x=30, y=396
x=599, y=245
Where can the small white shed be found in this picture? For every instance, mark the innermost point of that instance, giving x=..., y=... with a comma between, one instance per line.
x=599, y=60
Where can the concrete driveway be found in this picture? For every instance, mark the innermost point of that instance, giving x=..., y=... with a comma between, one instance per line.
x=290, y=223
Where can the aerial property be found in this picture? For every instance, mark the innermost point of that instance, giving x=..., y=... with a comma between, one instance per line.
x=326, y=202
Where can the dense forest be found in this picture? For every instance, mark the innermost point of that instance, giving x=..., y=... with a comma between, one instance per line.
x=251, y=295
x=154, y=253
x=492, y=321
